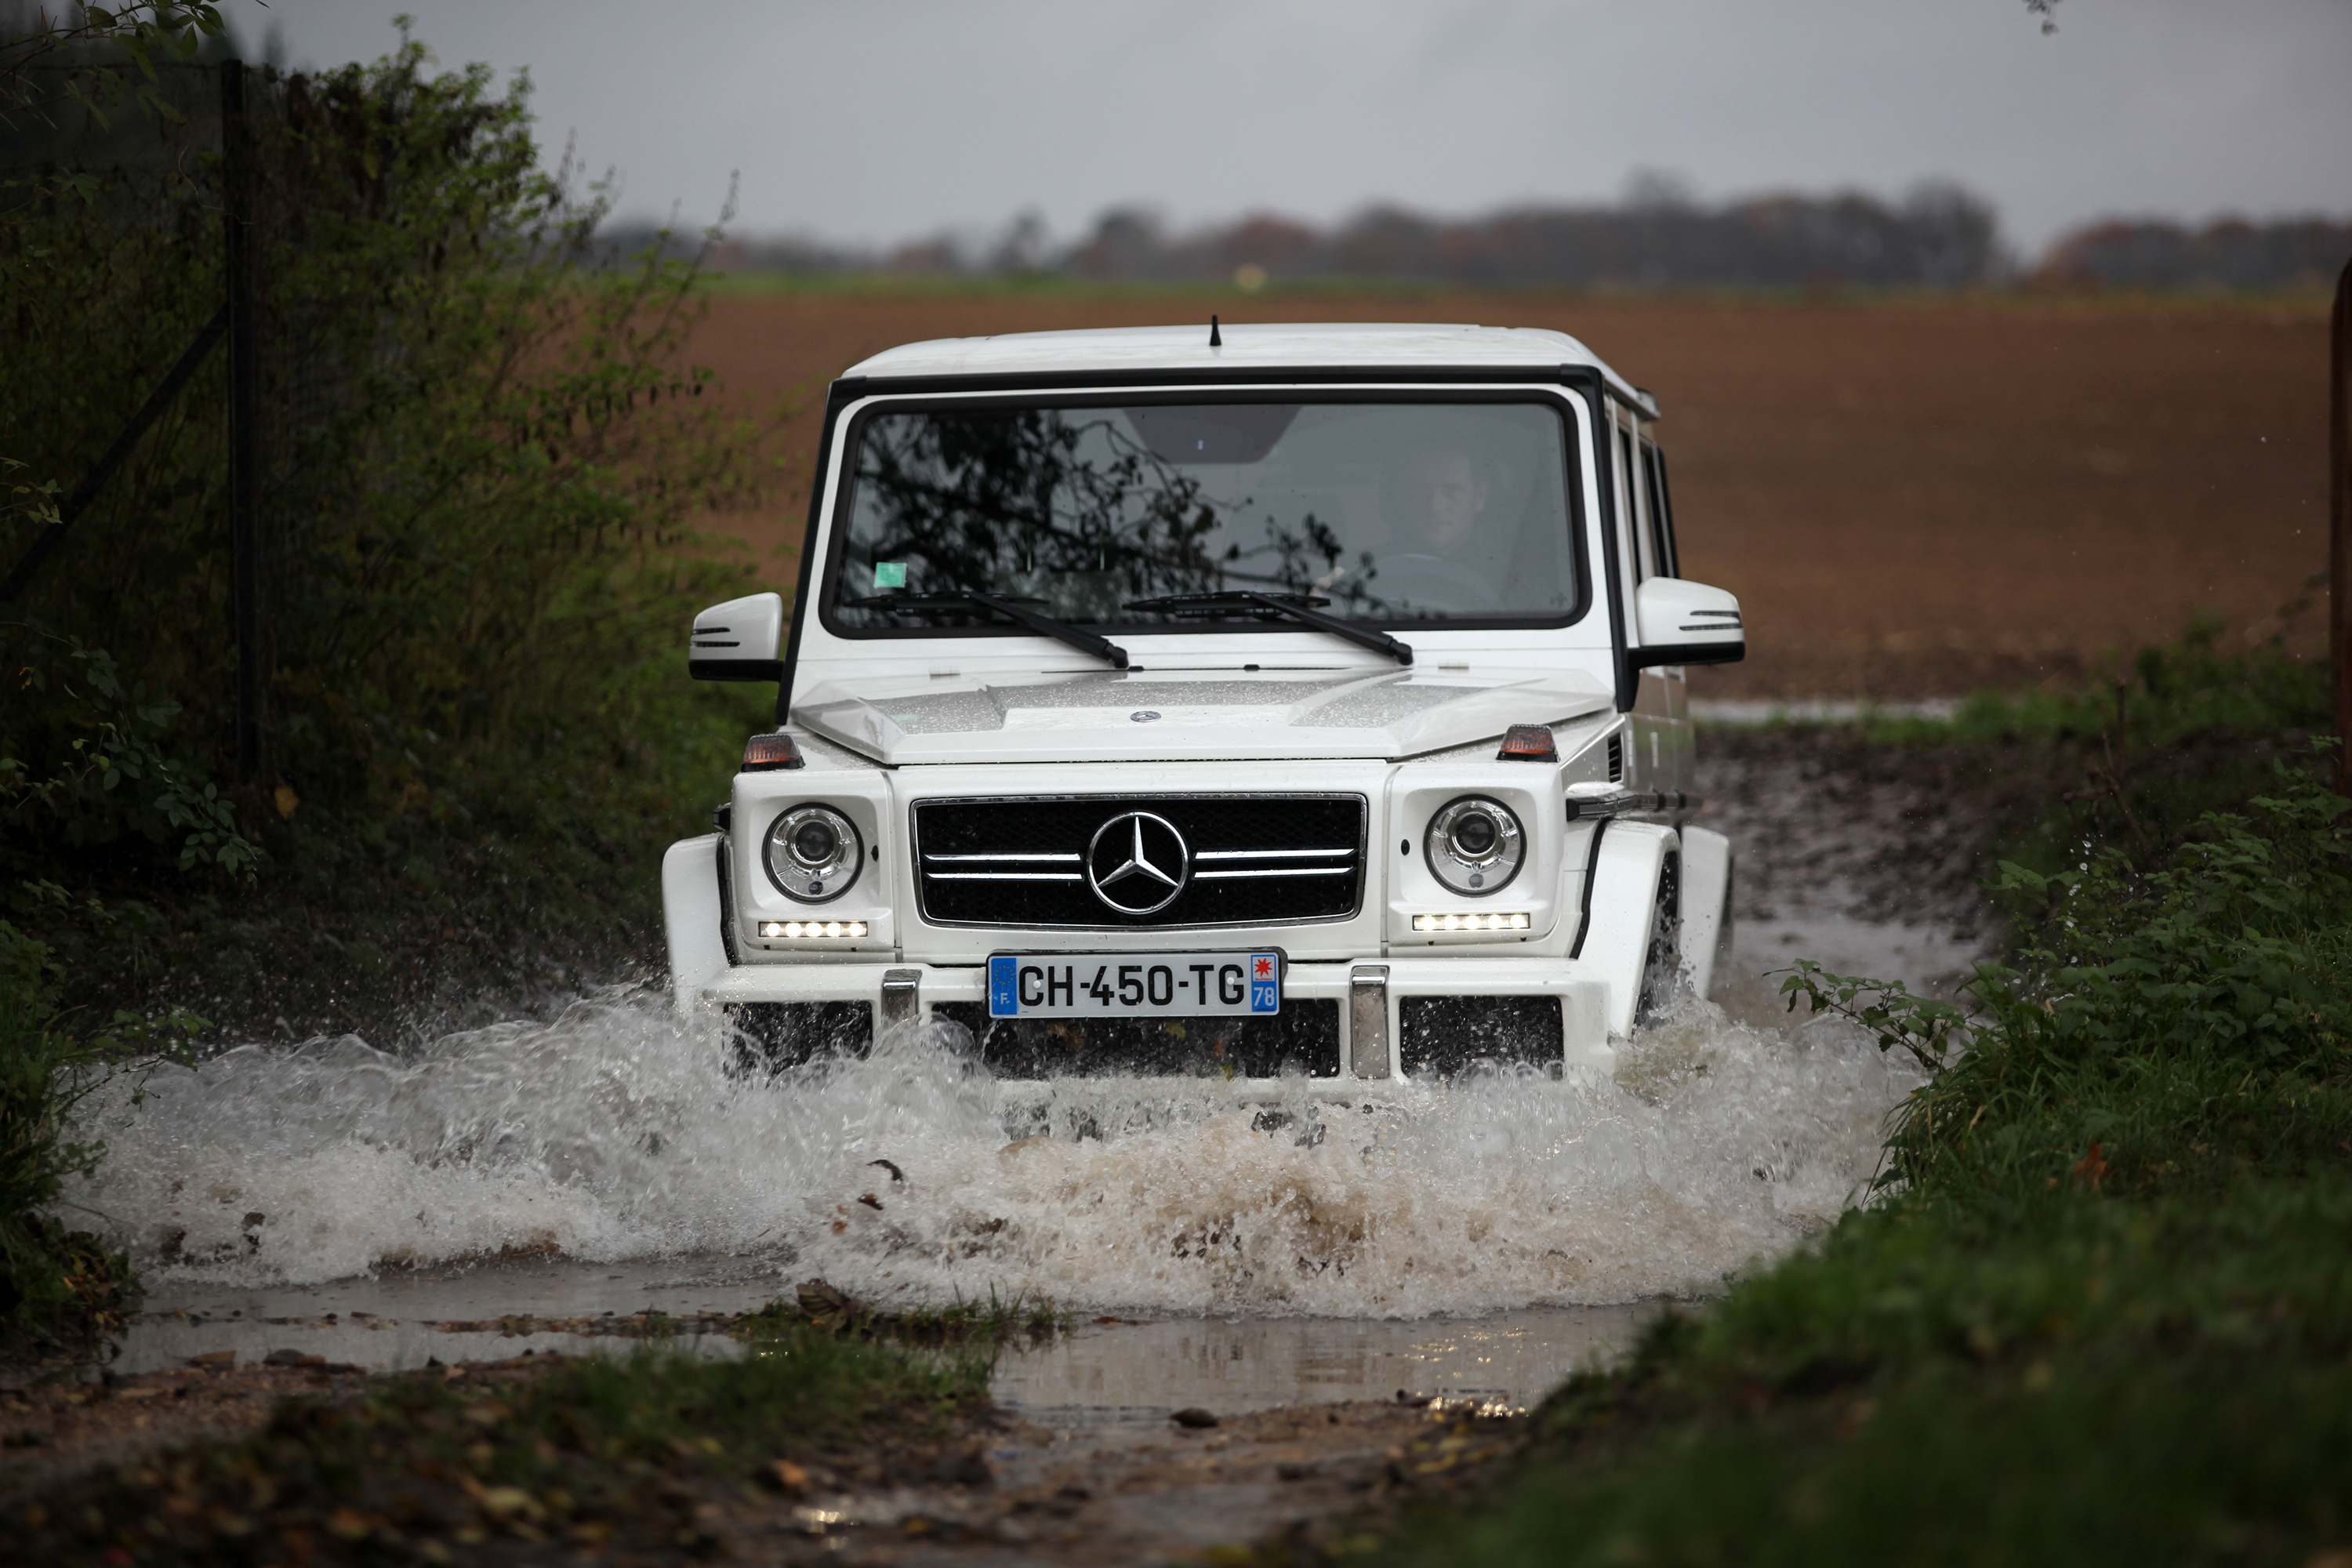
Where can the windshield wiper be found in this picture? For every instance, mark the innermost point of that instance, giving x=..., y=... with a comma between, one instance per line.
x=1062, y=631
x=1298, y=607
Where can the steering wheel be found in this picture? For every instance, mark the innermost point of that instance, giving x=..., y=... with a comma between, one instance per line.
x=1432, y=581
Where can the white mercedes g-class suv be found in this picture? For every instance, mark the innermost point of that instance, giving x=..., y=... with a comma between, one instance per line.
x=1283, y=707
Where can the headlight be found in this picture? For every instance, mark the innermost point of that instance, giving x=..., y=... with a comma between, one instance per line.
x=1475, y=845
x=814, y=853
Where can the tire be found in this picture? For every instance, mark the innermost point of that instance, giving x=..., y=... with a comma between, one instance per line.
x=1662, y=967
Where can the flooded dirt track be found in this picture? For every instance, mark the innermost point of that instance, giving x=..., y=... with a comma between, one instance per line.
x=305, y=1216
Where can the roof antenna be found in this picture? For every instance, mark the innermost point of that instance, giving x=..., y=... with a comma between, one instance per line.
x=1216, y=339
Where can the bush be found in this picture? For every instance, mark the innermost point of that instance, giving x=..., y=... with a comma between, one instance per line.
x=481, y=451
x=2099, y=1306
x=2169, y=1028
x=58, y=1286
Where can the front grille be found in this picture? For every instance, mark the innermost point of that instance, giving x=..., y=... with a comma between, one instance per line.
x=1253, y=859
x=1303, y=1038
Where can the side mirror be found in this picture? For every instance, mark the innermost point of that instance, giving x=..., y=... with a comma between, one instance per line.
x=739, y=640
x=1680, y=622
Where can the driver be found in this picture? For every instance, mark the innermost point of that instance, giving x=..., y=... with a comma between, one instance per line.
x=1447, y=499
x=1444, y=557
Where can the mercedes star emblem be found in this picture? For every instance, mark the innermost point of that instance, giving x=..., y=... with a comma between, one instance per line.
x=1138, y=863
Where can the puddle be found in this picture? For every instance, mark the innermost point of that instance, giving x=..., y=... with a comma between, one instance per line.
x=1099, y=1375
x=399, y=1321
x=1135, y=1373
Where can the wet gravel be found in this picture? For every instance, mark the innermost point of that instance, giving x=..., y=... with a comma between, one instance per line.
x=1824, y=823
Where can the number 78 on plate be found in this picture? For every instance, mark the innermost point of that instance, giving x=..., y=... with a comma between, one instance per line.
x=1139, y=985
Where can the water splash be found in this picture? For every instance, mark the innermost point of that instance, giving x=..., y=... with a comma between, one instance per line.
x=613, y=1132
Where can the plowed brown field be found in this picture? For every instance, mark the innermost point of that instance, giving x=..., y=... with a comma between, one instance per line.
x=1911, y=498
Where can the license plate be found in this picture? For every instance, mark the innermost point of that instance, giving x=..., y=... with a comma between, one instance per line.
x=1134, y=985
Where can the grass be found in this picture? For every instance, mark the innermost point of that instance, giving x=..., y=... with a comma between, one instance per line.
x=2102, y=1308
x=657, y=1451
x=2105, y=1381
x=975, y=1322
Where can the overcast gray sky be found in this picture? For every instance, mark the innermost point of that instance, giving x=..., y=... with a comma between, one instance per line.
x=877, y=120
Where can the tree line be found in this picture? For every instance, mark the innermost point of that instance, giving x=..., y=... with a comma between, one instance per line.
x=1939, y=236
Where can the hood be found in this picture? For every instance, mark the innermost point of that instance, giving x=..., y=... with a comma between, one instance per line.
x=1218, y=715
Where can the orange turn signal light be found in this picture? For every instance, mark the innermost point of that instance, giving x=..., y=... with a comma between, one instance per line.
x=765, y=753
x=1529, y=743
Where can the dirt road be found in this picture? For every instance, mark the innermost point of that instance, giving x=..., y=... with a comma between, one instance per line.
x=1912, y=497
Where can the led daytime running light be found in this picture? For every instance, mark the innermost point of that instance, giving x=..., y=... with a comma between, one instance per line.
x=1514, y=919
x=811, y=927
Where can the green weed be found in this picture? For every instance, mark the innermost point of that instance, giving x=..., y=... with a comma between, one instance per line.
x=60, y=1286
x=974, y=1323
x=2165, y=1381
x=2101, y=1305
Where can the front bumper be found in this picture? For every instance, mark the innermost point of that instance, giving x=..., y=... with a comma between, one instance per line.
x=1396, y=1015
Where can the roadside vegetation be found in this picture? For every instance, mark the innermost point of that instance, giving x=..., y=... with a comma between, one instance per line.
x=481, y=451
x=2100, y=1307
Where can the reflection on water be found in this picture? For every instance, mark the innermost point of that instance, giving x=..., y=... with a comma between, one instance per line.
x=1145, y=1369
x=1102, y=1374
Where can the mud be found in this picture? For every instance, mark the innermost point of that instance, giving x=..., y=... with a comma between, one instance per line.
x=1000, y=1489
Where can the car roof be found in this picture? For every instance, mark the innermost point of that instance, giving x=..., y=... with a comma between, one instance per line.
x=1319, y=345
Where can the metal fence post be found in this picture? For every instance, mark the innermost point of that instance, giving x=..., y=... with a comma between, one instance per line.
x=244, y=435
x=2339, y=521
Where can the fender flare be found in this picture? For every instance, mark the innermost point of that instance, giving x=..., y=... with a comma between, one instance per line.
x=692, y=911
x=1631, y=860
x=1707, y=868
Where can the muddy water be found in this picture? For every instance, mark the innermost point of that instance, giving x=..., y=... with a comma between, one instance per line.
x=1478, y=1238
x=1112, y=1371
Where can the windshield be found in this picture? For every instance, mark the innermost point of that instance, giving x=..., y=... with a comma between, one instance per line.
x=1389, y=511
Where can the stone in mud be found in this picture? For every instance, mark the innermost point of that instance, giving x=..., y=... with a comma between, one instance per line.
x=292, y=1358
x=1193, y=1415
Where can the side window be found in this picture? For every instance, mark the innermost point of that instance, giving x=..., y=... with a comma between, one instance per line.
x=1660, y=507
x=1630, y=508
